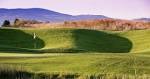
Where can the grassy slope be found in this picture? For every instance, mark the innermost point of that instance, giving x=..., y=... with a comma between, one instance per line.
x=73, y=40
x=79, y=63
x=140, y=40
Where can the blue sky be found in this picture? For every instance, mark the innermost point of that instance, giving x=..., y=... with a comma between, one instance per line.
x=124, y=9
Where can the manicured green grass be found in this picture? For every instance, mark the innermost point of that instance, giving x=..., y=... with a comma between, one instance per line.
x=74, y=40
x=140, y=40
x=78, y=51
x=83, y=63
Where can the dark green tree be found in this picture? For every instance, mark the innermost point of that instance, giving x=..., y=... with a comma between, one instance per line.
x=6, y=23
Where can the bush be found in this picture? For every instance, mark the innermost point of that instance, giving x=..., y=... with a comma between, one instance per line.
x=6, y=23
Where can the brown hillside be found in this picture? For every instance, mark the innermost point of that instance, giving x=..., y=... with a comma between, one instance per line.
x=109, y=24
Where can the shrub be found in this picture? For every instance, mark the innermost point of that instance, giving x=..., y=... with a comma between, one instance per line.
x=6, y=23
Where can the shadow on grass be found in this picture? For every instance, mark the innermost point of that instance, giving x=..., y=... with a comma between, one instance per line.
x=98, y=41
x=17, y=41
x=13, y=40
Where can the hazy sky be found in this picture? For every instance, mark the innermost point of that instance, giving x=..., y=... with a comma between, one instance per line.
x=127, y=9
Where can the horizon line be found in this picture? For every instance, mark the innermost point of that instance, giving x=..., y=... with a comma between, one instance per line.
x=73, y=14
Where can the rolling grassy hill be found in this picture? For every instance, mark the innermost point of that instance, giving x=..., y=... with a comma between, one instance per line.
x=74, y=40
x=74, y=54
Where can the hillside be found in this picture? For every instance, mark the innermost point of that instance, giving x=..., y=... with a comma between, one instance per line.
x=67, y=53
x=40, y=14
x=74, y=40
x=109, y=24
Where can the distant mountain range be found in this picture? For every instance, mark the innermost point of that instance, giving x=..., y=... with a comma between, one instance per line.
x=42, y=15
x=143, y=19
x=45, y=15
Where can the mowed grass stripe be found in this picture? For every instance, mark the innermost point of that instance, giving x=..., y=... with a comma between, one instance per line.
x=85, y=63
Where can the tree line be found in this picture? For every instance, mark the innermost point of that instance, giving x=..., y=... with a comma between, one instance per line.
x=98, y=24
x=109, y=24
x=19, y=23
